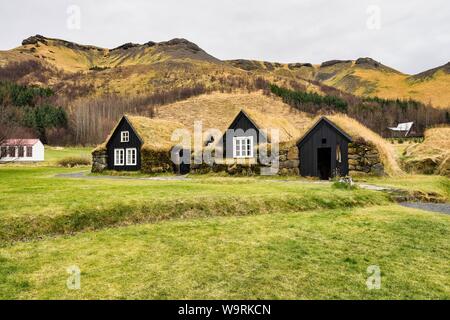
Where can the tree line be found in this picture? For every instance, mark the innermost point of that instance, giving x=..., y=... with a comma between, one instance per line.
x=376, y=113
x=29, y=107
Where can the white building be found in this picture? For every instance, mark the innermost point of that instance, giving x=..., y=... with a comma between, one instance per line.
x=21, y=150
x=402, y=128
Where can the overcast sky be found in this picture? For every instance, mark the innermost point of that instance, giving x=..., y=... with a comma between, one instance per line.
x=409, y=35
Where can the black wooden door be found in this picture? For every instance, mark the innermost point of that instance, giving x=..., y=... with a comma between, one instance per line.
x=324, y=163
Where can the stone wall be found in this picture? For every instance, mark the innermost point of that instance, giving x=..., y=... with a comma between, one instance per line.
x=288, y=165
x=289, y=161
x=364, y=159
x=99, y=161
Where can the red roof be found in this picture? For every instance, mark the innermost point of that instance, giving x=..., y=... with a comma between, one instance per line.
x=20, y=142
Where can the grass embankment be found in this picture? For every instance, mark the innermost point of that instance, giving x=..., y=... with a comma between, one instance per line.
x=310, y=255
x=437, y=187
x=432, y=156
x=35, y=203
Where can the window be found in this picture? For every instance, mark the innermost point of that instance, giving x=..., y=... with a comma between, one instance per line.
x=243, y=147
x=12, y=151
x=324, y=140
x=29, y=151
x=4, y=152
x=338, y=153
x=131, y=157
x=119, y=157
x=21, y=151
x=124, y=136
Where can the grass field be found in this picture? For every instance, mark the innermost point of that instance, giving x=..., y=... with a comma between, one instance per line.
x=55, y=205
x=309, y=255
x=214, y=237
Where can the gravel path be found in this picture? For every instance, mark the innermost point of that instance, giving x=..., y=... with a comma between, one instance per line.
x=434, y=207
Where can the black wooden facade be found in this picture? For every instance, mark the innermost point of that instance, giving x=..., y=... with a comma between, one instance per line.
x=114, y=142
x=323, y=151
x=243, y=126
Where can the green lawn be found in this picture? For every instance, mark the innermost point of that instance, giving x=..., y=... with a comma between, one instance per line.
x=215, y=237
x=56, y=205
x=53, y=154
x=309, y=255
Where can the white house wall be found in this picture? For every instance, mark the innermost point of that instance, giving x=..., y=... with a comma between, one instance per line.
x=38, y=154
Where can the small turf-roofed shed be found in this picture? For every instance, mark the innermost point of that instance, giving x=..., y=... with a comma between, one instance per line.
x=137, y=143
x=323, y=150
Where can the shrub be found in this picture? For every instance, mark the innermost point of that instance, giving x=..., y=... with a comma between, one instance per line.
x=344, y=185
x=71, y=162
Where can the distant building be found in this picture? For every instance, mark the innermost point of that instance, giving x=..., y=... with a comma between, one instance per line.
x=402, y=129
x=21, y=150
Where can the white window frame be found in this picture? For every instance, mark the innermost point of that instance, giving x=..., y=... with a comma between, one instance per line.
x=119, y=157
x=129, y=159
x=239, y=141
x=124, y=136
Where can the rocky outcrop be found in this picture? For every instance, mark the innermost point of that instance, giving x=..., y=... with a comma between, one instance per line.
x=333, y=62
x=293, y=66
x=364, y=159
x=99, y=161
x=34, y=40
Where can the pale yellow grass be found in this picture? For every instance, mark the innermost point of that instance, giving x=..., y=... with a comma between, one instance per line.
x=218, y=110
x=156, y=133
x=435, y=149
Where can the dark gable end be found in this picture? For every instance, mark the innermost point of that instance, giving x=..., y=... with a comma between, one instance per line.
x=242, y=122
x=316, y=125
x=114, y=142
x=323, y=150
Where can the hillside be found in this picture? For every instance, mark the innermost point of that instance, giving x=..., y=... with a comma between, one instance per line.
x=144, y=68
x=363, y=77
x=367, y=77
x=219, y=109
x=127, y=69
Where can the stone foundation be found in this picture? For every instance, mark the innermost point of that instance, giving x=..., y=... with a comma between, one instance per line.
x=99, y=161
x=364, y=159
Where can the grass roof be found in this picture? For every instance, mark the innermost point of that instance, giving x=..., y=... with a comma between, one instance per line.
x=435, y=149
x=218, y=110
x=156, y=134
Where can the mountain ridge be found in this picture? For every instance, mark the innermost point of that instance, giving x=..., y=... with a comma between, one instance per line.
x=178, y=59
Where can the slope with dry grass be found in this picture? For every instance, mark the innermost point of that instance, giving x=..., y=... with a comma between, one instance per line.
x=217, y=110
x=432, y=156
x=370, y=78
x=142, y=68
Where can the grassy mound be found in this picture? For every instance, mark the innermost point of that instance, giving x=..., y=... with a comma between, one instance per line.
x=432, y=156
x=74, y=161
